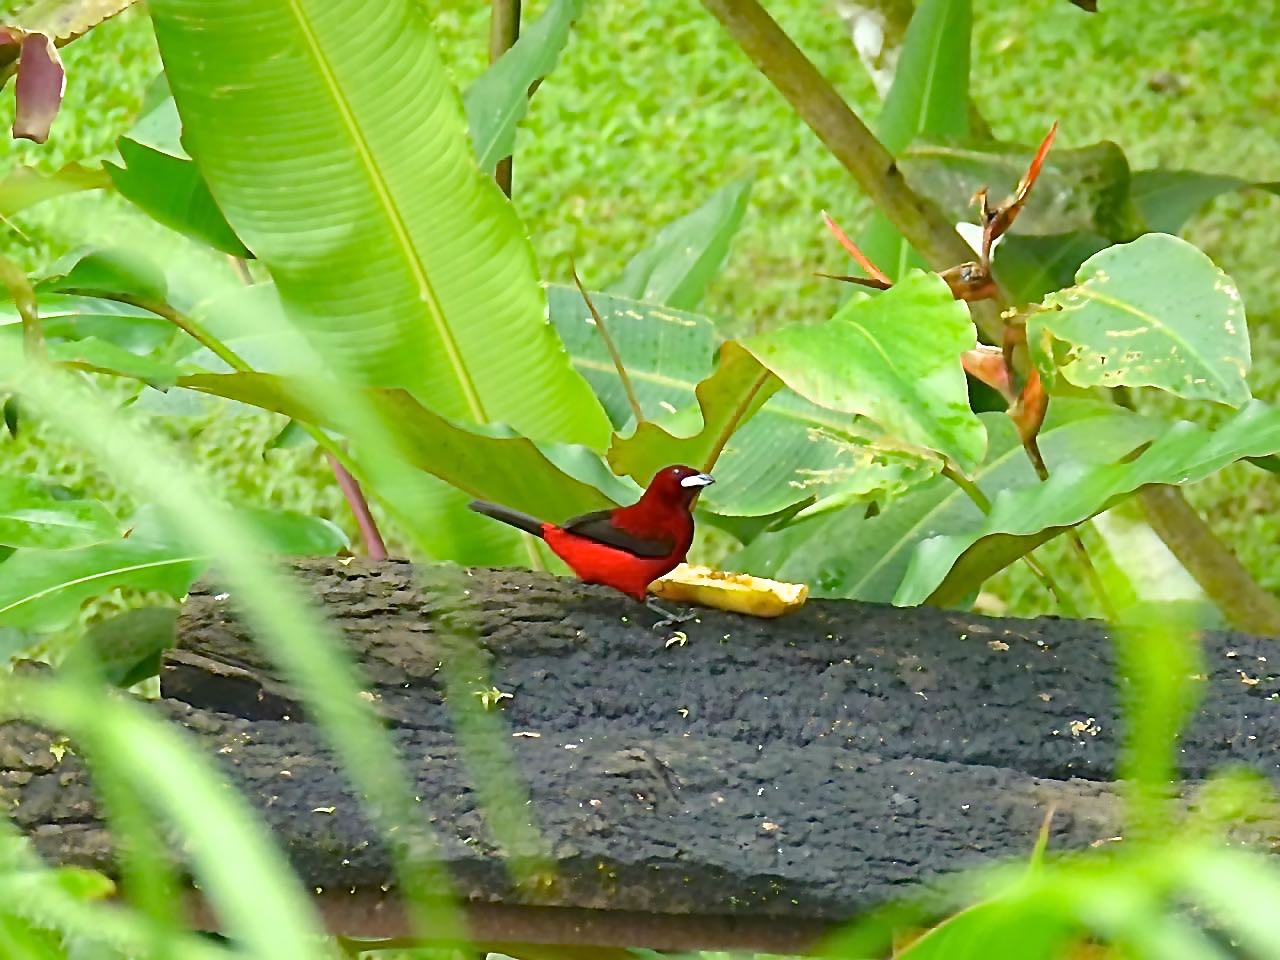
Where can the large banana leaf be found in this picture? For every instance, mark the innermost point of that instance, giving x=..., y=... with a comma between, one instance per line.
x=333, y=142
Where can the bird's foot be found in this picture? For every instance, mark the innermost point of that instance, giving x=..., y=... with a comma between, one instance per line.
x=670, y=618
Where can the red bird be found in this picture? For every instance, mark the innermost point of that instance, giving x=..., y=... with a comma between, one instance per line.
x=626, y=548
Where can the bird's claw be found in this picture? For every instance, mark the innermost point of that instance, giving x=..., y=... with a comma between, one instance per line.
x=670, y=618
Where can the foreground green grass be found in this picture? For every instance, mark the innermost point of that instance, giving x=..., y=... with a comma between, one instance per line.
x=652, y=108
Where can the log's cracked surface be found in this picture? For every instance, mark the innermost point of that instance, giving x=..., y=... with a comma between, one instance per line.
x=796, y=771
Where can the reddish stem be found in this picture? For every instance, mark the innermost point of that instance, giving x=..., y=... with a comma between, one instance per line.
x=373, y=544
x=875, y=272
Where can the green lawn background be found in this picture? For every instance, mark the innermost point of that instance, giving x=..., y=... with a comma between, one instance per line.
x=652, y=108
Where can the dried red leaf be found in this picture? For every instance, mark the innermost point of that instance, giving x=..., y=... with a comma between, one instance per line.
x=997, y=221
x=852, y=248
x=38, y=89
x=1028, y=413
x=986, y=364
x=861, y=281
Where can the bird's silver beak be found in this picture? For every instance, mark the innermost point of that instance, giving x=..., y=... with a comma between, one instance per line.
x=698, y=480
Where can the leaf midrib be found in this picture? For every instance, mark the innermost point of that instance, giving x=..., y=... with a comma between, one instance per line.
x=434, y=308
x=100, y=575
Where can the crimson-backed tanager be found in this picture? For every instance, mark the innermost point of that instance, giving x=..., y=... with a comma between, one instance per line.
x=626, y=548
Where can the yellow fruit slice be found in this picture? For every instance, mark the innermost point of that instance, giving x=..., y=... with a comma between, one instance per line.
x=737, y=592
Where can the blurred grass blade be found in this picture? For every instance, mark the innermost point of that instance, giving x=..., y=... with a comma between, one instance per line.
x=687, y=254
x=499, y=99
x=32, y=515
x=398, y=258
x=930, y=99
x=506, y=468
x=242, y=873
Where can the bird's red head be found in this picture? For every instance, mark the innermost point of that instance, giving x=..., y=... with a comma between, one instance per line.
x=677, y=485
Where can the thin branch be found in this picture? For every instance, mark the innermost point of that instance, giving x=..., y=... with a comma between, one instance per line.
x=735, y=418
x=1042, y=574
x=854, y=251
x=504, y=31
x=1091, y=574
x=818, y=104
x=971, y=489
x=611, y=347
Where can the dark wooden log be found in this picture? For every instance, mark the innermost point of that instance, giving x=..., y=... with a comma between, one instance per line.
x=746, y=789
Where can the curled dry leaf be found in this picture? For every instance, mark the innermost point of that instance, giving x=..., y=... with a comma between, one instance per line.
x=736, y=592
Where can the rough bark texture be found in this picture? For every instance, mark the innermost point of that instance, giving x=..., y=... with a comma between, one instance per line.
x=805, y=768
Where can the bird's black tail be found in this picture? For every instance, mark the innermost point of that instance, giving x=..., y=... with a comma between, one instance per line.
x=521, y=521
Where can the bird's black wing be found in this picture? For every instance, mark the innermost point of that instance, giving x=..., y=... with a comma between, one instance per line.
x=599, y=526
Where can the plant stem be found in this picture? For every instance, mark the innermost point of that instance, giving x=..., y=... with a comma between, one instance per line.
x=338, y=458
x=504, y=31
x=971, y=489
x=1245, y=604
x=612, y=348
x=374, y=546
x=918, y=219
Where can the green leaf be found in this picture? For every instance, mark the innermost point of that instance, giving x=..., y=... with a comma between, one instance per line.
x=675, y=268
x=44, y=589
x=399, y=259
x=1081, y=189
x=792, y=450
x=498, y=101
x=930, y=99
x=115, y=271
x=173, y=193
x=77, y=318
x=1155, y=312
x=102, y=356
x=498, y=466
x=848, y=554
x=280, y=532
x=24, y=187
x=947, y=566
x=65, y=19
x=893, y=358
x=291, y=435
x=1167, y=199
x=33, y=516
x=1030, y=267
x=127, y=647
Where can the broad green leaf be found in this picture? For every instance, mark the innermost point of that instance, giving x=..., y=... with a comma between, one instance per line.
x=43, y=589
x=679, y=263
x=497, y=465
x=77, y=318
x=1081, y=189
x=847, y=554
x=159, y=127
x=1031, y=267
x=280, y=532
x=397, y=257
x=947, y=566
x=893, y=358
x=32, y=515
x=665, y=351
x=290, y=435
x=24, y=187
x=172, y=192
x=114, y=271
x=1154, y=312
x=930, y=99
x=127, y=647
x=65, y=19
x=1167, y=199
x=102, y=356
x=792, y=450
x=498, y=101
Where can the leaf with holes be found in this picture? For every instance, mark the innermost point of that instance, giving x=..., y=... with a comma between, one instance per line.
x=1155, y=312
x=675, y=268
x=949, y=566
x=849, y=554
x=790, y=451
x=390, y=249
